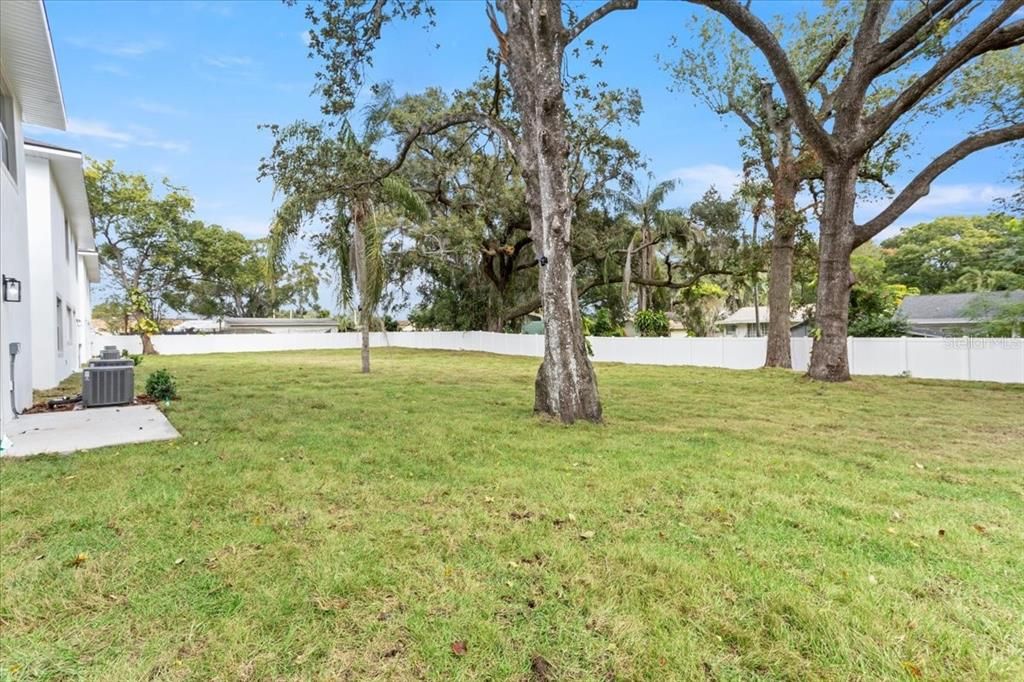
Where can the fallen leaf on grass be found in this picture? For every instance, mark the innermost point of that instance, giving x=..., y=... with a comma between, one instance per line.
x=586, y=535
x=980, y=528
x=179, y=561
x=459, y=647
x=912, y=669
x=541, y=669
x=80, y=559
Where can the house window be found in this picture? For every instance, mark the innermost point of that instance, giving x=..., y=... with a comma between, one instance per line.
x=60, y=326
x=7, y=150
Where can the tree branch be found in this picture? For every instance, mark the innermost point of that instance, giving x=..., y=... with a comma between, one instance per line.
x=785, y=74
x=921, y=184
x=434, y=127
x=827, y=60
x=600, y=13
x=913, y=32
x=954, y=58
x=534, y=303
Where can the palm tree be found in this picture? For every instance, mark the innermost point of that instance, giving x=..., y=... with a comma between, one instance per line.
x=654, y=224
x=355, y=219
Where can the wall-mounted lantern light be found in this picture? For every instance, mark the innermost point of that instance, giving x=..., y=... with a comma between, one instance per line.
x=12, y=289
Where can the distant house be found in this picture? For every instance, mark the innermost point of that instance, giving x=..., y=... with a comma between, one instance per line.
x=948, y=314
x=259, y=325
x=743, y=323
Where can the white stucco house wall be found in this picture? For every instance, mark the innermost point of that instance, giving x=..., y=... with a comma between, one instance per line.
x=31, y=93
x=62, y=261
x=744, y=322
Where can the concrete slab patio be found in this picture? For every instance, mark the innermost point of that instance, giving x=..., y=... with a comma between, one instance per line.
x=64, y=432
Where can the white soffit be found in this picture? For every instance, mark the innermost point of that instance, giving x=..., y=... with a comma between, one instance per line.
x=28, y=62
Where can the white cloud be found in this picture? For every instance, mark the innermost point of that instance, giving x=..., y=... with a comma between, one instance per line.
x=135, y=48
x=154, y=107
x=112, y=69
x=227, y=61
x=306, y=37
x=142, y=137
x=219, y=8
x=695, y=180
x=963, y=196
x=943, y=198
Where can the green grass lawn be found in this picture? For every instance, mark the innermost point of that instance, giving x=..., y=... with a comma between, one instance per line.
x=314, y=523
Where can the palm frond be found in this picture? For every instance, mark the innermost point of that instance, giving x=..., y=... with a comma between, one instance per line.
x=399, y=195
x=656, y=197
x=373, y=275
x=285, y=226
x=338, y=244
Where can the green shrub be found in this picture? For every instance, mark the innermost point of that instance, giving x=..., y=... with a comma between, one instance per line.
x=602, y=324
x=136, y=359
x=161, y=386
x=651, y=323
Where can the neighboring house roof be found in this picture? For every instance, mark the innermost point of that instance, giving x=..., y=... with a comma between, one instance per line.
x=196, y=325
x=66, y=167
x=533, y=327
x=28, y=62
x=745, y=315
x=315, y=323
x=949, y=308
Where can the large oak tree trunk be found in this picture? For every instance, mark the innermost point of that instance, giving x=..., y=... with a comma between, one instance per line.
x=566, y=387
x=829, y=360
x=147, y=345
x=780, y=273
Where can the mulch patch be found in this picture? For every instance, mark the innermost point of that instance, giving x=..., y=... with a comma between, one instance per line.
x=44, y=407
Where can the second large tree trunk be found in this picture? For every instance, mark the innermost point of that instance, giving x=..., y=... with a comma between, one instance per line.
x=829, y=360
x=780, y=274
x=566, y=387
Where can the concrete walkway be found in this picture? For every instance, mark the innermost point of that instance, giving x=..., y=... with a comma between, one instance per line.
x=63, y=432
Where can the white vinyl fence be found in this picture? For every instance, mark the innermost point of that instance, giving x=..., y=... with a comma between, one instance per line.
x=971, y=359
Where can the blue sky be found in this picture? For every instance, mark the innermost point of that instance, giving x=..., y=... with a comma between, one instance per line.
x=178, y=89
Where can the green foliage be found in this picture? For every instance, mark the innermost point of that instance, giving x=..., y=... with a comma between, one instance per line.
x=878, y=326
x=114, y=313
x=699, y=307
x=140, y=236
x=997, y=315
x=136, y=359
x=874, y=303
x=958, y=253
x=142, y=321
x=160, y=385
x=602, y=324
x=651, y=323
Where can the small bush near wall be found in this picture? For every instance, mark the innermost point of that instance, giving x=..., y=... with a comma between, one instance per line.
x=651, y=323
x=161, y=386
